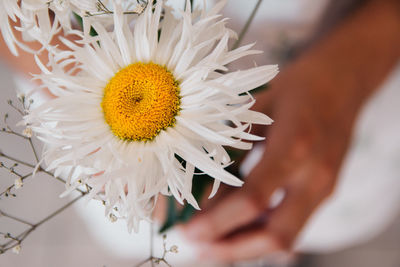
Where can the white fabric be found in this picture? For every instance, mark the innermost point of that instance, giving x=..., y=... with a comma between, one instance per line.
x=367, y=197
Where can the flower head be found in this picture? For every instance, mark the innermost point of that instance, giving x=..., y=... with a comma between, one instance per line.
x=138, y=112
x=18, y=183
x=16, y=249
x=38, y=23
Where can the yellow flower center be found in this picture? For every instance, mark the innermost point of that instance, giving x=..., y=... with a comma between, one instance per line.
x=141, y=100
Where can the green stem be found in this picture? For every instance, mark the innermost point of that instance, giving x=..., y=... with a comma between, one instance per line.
x=247, y=25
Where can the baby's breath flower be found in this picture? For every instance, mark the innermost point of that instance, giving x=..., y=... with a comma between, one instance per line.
x=27, y=132
x=21, y=97
x=16, y=249
x=174, y=249
x=139, y=9
x=18, y=183
x=112, y=218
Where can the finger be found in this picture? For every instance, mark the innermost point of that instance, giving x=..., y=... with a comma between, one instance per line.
x=229, y=213
x=239, y=208
x=283, y=223
x=302, y=198
x=223, y=190
x=247, y=245
x=160, y=210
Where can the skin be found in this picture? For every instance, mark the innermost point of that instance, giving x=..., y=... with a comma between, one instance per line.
x=25, y=62
x=314, y=102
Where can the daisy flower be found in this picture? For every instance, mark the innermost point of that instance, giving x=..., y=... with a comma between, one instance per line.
x=35, y=22
x=139, y=109
x=39, y=24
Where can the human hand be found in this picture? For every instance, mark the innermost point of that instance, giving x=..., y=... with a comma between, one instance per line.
x=304, y=149
x=314, y=103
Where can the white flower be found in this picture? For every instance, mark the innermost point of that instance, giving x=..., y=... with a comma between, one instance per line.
x=112, y=218
x=38, y=24
x=16, y=249
x=27, y=132
x=21, y=97
x=174, y=249
x=18, y=183
x=139, y=113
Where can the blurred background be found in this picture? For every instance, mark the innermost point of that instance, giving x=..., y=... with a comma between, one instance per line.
x=359, y=225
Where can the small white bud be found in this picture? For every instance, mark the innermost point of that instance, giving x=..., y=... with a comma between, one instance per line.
x=139, y=9
x=18, y=183
x=21, y=96
x=113, y=218
x=16, y=249
x=174, y=249
x=27, y=132
x=60, y=4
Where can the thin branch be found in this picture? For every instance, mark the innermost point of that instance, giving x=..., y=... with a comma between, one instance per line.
x=157, y=260
x=10, y=103
x=88, y=14
x=19, y=240
x=7, y=191
x=34, y=150
x=144, y=262
x=21, y=237
x=11, y=169
x=2, y=213
x=13, y=240
x=8, y=131
x=16, y=160
x=103, y=10
x=102, y=7
x=16, y=241
x=62, y=180
x=40, y=169
x=247, y=25
x=153, y=260
x=8, y=235
x=151, y=243
x=59, y=210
